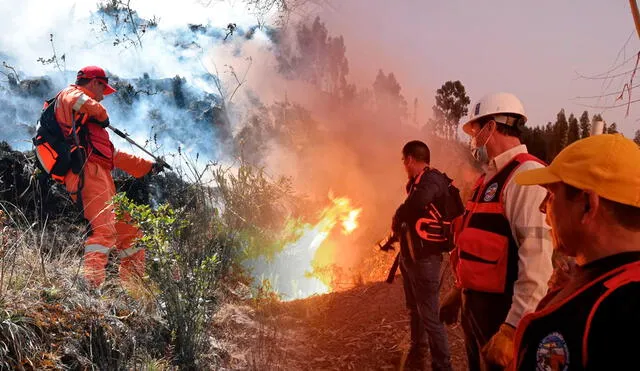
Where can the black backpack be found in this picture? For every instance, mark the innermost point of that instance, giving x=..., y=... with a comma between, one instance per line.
x=56, y=152
x=450, y=207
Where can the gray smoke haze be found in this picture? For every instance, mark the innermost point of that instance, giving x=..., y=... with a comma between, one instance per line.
x=171, y=89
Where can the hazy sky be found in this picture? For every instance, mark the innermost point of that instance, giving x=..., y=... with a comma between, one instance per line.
x=533, y=49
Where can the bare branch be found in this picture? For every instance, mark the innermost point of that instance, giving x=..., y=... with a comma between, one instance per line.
x=54, y=58
x=12, y=75
x=240, y=82
x=134, y=26
x=609, y=107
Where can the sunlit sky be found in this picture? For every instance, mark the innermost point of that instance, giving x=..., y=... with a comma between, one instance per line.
x=535, y=49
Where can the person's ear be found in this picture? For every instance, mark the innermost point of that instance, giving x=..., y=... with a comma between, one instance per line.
x=591, y=205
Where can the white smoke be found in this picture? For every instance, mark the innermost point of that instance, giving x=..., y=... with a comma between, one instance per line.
x=85, y=36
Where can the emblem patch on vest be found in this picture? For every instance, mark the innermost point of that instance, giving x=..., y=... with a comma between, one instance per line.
x=490, y=193
x=553, y=353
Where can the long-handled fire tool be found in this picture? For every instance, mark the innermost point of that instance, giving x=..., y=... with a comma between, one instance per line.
x=126, y=137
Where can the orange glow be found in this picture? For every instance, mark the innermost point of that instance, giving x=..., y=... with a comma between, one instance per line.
x=310, y=274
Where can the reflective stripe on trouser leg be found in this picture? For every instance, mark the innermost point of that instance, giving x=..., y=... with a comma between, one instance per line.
x=131, y=257
x=96, y=194
x=95, y=260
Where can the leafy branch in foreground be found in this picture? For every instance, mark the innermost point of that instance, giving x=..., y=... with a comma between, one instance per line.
x=188, y=253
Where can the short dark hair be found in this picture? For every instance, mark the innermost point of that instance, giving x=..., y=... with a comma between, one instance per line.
x=82, y=81
x=514, y=130
x=626, y=215
x=418, y=150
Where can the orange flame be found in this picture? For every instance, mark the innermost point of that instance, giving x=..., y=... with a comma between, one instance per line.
x=304, y=262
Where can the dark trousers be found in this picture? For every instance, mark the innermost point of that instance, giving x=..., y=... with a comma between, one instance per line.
x=482, y=315
x=421, y=287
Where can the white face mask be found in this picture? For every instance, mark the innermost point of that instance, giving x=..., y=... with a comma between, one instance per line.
x=480, y=154
x=478, y=143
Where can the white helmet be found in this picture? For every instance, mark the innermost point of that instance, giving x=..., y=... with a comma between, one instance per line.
x=493, y=105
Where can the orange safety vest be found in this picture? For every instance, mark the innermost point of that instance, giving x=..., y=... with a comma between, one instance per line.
x=487, y=253
x=75, y=104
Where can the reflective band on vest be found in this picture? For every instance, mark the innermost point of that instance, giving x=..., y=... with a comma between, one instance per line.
x=97, y=248
x=80, y=102
x=487, y=251
x=430, y=229
x=128, y=252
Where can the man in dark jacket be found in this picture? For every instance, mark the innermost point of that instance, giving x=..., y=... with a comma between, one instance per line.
x=415, y=223
x=593, y=207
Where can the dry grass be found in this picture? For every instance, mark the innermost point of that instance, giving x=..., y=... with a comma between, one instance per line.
x=48, y=317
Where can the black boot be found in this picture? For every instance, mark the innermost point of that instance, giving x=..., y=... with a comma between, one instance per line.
x=416, y=358
x=418, y=349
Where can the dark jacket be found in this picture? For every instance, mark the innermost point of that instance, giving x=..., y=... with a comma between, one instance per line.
x=591, y=324
x=426, y=188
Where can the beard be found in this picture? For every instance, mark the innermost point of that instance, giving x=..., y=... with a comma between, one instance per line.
x=560, y=246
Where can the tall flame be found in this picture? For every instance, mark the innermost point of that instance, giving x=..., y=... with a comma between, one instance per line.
x=297, y=265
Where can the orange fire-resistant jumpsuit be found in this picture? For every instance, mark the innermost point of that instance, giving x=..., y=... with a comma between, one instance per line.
x=97, y=187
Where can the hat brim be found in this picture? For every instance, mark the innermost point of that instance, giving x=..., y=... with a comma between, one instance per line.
x=108, y=89
x=539, y=176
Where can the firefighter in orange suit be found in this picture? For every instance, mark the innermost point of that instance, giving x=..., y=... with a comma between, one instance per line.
x=503, y=255
x=593, y=207
x=93, y=187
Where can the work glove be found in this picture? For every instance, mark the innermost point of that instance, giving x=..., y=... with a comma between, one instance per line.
x=102, y=124
x=450, y=307
x=158, y=167
x=499, y=349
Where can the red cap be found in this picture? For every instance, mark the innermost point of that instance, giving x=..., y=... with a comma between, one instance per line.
x=95, y=72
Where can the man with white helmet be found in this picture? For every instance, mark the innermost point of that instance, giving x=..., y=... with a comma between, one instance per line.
x=503, y=255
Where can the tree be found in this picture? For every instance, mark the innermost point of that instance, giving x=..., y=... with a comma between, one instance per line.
x=636, y=138
x=612, y=129
x=560, y=134
x=451, y=104
x=390, y=103
x=574, y=130
x=585, y=125
x=534, y=139
x=337, y=65
x=320, y=59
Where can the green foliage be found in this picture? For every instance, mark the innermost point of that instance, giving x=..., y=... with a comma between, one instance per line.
x=451, y=105
x=188, y=253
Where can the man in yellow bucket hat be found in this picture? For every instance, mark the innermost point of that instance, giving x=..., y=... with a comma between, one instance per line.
x=593, y=208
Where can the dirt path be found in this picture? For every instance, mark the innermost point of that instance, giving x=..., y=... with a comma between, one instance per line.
x=365, y=328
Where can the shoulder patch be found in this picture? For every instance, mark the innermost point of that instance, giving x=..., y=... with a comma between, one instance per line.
x=490, y=193
x=552, y=353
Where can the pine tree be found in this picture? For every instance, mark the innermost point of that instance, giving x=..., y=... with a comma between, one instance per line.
x=585, y=125
x=574, y=130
